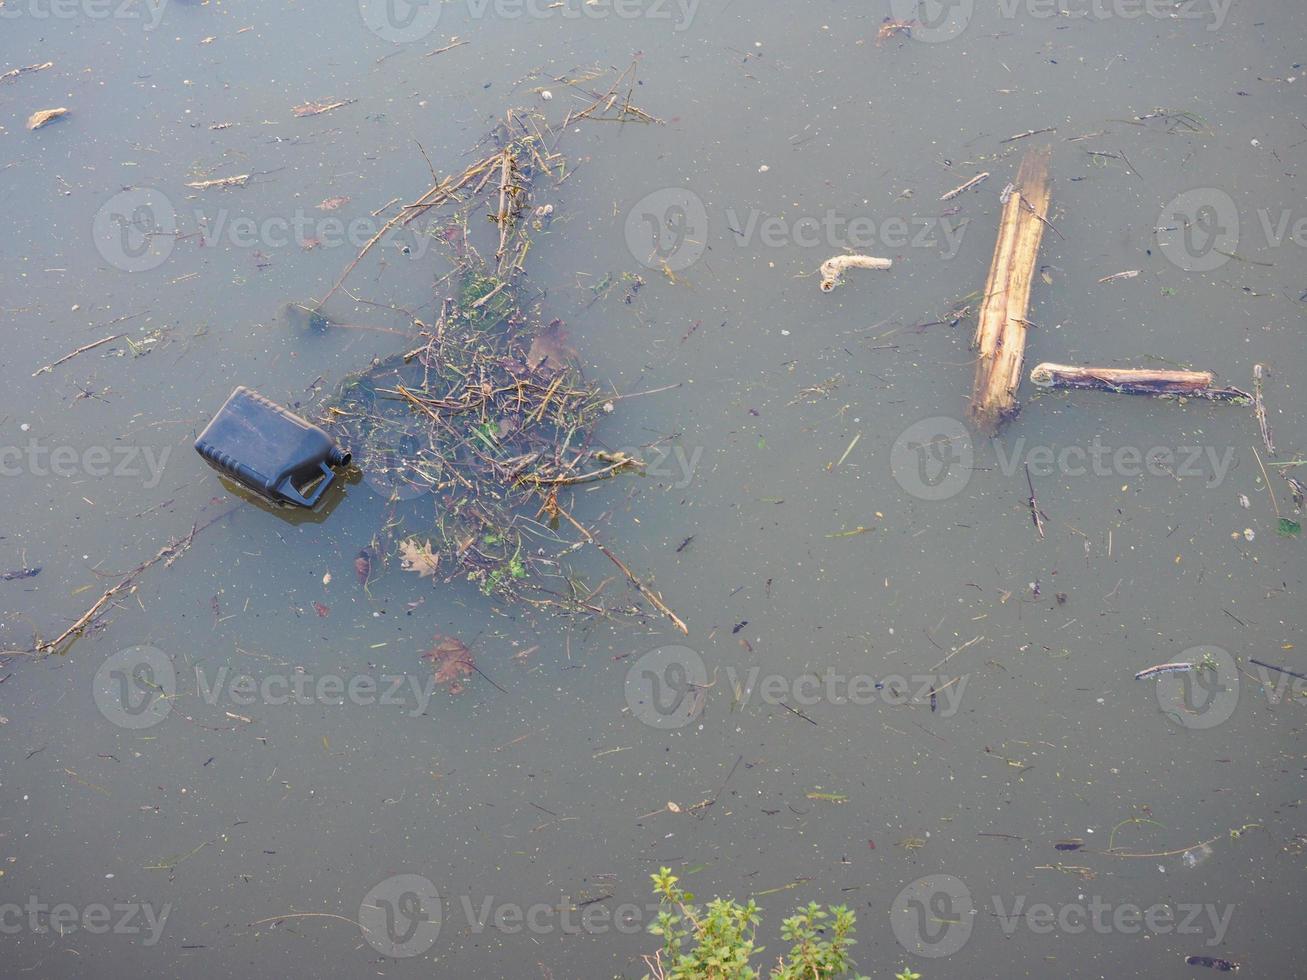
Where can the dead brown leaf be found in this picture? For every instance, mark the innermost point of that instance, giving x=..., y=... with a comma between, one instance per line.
x=550, y=349
x=333, y=203
x=451, y=661
x=889, y=27
x=418, y=558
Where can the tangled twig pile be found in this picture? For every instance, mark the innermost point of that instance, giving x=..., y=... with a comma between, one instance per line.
x=491, y=416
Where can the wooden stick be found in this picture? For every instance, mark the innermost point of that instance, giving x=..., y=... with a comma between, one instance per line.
x=81, y=350
x=645, y=591
x=1269, y=489
x=1132, y=381
x=168, y=554
x=1001, y=328
x=1259, y=410
x=1034, y=505
x=505, y=205
x=964, y=187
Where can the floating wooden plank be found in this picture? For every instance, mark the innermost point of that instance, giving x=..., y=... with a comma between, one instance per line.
x=1131, y=381
x=1001, y=331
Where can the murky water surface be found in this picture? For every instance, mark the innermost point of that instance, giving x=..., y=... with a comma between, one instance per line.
x=850, y=546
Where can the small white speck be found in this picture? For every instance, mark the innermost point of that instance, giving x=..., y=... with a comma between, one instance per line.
x=763, y=169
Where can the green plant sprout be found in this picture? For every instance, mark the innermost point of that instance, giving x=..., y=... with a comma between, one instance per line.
x=717, y=941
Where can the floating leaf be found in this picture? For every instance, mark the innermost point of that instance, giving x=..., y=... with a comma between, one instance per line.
x=450, y=660
x=1288, y=528
x=550, y=350
x=333, y=203
x=418, y=558
x=363, y=566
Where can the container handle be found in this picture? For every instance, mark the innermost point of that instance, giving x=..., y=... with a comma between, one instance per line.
x=289, y=489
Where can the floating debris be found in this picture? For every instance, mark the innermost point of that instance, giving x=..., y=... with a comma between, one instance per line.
x=317, y=108
x=451, y=662
x=1225, y=966
x=45, y=116
x=1175, y=668
x=240, y=180
x=974, y=181
x=833, y=268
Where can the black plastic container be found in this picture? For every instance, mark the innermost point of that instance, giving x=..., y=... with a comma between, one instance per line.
x=270, y=450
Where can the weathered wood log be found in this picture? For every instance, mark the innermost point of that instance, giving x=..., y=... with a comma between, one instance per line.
x=1001, y=329
x=1132, y=381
